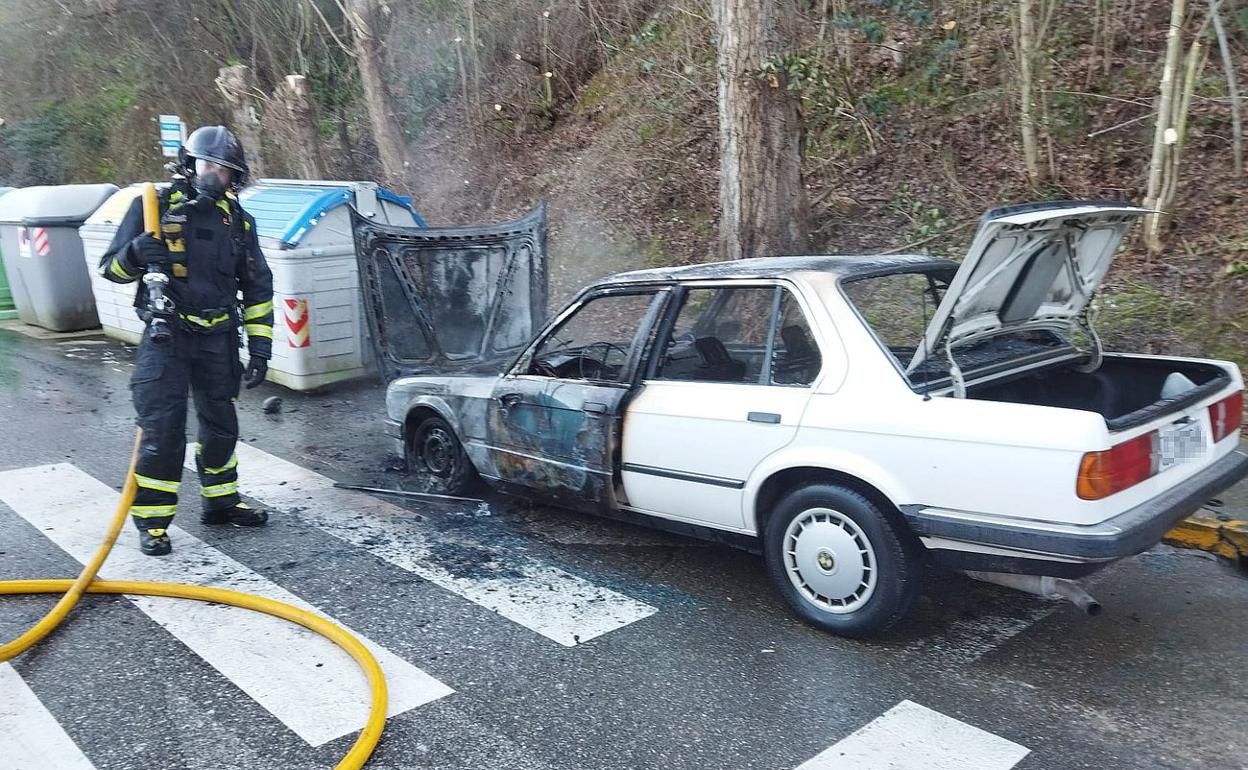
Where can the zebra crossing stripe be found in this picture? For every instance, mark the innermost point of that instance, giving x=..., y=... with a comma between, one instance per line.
x=306, y=682
x=912, y=737
x=560, y=606
x=30, y=737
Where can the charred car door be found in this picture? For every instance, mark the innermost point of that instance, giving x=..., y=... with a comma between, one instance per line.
x=452, y=299
x=554, y=420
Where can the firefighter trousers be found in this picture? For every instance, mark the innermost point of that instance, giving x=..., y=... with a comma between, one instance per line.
x=208, y=367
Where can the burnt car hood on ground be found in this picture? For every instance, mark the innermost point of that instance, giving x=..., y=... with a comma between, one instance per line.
x=451, y=299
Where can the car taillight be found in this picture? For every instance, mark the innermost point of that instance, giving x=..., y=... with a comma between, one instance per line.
x=1101, y=474
x=1226, y=416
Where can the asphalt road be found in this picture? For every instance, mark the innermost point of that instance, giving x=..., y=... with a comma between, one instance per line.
x=520, y=636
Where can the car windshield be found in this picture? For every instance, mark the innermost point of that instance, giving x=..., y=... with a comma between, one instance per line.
x=898, y=307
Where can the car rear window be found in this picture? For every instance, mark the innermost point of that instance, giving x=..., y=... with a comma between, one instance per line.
x=897, y=307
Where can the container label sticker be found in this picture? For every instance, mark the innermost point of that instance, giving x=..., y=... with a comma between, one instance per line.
x=39, y=238
x=298, y=335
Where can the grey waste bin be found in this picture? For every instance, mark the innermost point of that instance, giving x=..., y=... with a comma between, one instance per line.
x=7, y=310
x=43, y=253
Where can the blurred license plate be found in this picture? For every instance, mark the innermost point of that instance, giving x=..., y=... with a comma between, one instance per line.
x=1180, y=443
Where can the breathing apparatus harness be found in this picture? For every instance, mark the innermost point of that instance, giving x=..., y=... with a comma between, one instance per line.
x=173, y=207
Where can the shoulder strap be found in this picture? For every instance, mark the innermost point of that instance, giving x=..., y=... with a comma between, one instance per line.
x=173, y=199
x=177, y=194
x=239, y=225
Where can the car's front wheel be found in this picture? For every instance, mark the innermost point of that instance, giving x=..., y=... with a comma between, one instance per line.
x=436, y=461
x=841, y=562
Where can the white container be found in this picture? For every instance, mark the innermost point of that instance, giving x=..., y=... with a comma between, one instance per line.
x=319, y=331
x=113, y=301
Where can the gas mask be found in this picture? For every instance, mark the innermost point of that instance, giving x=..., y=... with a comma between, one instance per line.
x=211, y=179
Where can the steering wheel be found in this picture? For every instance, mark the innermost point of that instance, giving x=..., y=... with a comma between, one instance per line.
x=607, y=347
x=544, y=369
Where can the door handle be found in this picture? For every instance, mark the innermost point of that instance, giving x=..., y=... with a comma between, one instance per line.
x=593, y=407
x=508, y=400
x=770, y=418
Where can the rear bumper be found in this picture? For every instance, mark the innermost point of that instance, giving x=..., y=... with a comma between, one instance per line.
x=1128, y=533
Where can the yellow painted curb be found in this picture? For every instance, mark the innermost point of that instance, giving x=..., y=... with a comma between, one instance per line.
x=1205, y=531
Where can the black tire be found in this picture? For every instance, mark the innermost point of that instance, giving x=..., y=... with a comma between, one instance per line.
x=829, y=542
x=436, y=461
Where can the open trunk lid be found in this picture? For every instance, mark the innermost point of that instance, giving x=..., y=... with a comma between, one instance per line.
x=1031, y=266
x=443, y=299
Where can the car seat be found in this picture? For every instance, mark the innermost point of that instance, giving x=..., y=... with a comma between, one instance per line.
x=716, y=364
x=799, y=354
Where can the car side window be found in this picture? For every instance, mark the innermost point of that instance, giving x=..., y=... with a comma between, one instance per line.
x=795, y=359
x=897, y=307
x=720, y=335
x=595, y=342
x=730, y=335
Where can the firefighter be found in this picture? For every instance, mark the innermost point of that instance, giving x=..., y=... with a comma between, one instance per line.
x=207, y=256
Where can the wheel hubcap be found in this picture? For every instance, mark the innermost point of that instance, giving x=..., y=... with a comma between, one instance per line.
x=829, y=560
x=437, y=452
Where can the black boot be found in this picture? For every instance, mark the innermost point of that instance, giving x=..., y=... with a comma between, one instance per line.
x=241, y=515
x=154, y=542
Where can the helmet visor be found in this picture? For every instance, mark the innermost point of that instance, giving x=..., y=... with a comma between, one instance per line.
x=203, y=166
x=211, y=177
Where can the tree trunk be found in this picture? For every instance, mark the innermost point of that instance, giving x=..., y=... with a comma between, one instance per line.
x=237, y=84
x=294, y=98
x=1165, y=116
x=1232, y=87
x=1170, y=174
x=762, y=200
x=1027, y=45
x=381, y=112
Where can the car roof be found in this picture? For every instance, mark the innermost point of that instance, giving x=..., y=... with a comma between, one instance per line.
x=775, y=267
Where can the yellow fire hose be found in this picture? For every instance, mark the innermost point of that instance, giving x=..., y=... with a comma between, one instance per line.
x=73, y=590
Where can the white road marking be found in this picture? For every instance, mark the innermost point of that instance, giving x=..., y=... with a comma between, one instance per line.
x=30, y=737
x=911, y=737
x=305, y=681
x=558, y=605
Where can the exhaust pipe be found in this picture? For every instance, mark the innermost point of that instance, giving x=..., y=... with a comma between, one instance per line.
x=1042, y=585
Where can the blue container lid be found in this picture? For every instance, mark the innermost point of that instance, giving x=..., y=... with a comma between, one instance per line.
x=286, y=212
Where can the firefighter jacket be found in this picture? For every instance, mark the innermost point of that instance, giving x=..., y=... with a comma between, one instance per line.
x=215, y=255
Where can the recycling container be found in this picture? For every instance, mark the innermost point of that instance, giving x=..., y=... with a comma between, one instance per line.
x=304, y=228
x=8, y=311
x=43, y=258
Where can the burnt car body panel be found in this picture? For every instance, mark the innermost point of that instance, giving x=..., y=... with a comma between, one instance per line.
x=560, y=436
x=440, y=299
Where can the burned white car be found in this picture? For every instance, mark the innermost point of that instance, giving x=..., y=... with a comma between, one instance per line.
x=855, y=419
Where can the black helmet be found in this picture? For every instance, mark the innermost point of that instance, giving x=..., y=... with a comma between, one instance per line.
x=217, y=144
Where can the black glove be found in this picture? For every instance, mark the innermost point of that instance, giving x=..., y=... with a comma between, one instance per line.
x=147, y=249
x=257, y=370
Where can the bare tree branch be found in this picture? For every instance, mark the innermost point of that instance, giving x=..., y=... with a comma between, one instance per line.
x=1123, y=124
x=330, y=29
x=1232, y=86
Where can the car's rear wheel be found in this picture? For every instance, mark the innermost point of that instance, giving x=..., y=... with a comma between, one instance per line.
x=841, y=562
x=436, y=461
